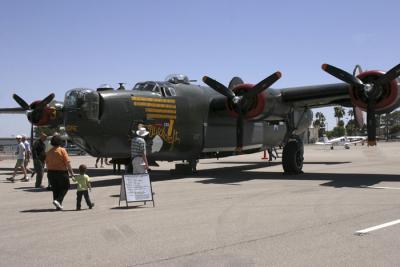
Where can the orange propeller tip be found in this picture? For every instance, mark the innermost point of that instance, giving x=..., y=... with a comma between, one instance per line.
x=204, y=78
x=279, y=74
x=324, y=66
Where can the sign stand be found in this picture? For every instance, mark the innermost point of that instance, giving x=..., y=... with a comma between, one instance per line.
x=136, y=188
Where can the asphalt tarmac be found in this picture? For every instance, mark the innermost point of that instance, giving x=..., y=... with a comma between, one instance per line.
x=236, y=211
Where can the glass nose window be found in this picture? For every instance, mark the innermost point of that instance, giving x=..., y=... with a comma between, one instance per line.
x=85, y=101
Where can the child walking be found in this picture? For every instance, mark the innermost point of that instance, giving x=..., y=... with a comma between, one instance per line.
x=83, y=184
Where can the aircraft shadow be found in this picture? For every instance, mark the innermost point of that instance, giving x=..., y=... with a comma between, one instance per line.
x=156, y=175
x=246, y=171
x=236, y=174
x=270, y=163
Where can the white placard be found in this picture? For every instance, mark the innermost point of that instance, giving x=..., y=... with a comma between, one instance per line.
x=136, y=187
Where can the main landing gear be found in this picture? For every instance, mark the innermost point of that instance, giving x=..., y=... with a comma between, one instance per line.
x=292, y=157
x=187, y=167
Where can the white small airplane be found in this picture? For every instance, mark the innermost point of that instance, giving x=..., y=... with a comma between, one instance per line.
x=345, y=141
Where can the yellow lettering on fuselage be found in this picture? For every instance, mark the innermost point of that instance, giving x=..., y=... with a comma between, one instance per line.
x=154, y=105
x=160, y=131
x=160, y=108
x=156, y=108
x=71, y=128
x=150, y=99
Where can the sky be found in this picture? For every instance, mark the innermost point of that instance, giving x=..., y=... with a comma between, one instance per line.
x=53, y=46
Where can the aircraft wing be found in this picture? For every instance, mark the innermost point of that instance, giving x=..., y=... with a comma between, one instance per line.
x=333, y=141
x=317, y=95
x=12, y=111
x=322, y=143
x=337, y=140
x=356, y=141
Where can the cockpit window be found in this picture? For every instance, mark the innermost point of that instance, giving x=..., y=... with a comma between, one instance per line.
x=169, y=91
x=148, y=86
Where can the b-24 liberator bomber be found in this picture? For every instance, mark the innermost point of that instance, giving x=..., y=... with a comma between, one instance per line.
x=189, y=122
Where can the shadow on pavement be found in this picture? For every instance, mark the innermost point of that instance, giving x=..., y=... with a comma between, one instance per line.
x=46, y=210
x=39, y=210
x=129, y=207
x=274, y=163
x=236, y=174
x=245, y=171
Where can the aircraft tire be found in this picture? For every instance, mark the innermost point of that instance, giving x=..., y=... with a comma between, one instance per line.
x=292, y=157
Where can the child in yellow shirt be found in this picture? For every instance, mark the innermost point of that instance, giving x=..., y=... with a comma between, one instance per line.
x=83, y=184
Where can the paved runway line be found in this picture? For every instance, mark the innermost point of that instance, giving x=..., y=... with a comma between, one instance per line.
x=373, y=228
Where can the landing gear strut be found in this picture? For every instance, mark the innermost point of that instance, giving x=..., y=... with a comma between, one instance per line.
x=292, y=157
x=188, y=167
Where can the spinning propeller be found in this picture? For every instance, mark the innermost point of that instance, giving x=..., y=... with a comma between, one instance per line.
x=372, y=90
x=241, y=103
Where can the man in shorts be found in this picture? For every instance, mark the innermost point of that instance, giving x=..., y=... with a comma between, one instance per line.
x=28, y=154
x=20, y=160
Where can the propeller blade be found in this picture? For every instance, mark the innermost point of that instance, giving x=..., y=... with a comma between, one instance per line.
x=371, y=124
x=342, y=75
x=220, y=88
x=31, y=140
x=357, y=70
x=21, y=102
x=239, y=130
x=392, y=74
x=45, y=101
x=264, y=84
x=235, y=82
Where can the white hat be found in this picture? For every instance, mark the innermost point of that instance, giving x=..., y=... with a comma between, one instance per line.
x=18, y=137
x=142, y=132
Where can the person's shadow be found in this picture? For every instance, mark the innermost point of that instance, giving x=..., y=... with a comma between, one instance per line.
x=43, y=210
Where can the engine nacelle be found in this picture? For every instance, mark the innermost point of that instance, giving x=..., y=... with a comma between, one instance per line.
x=253, y=106
x=387, y=100
x=48, y=115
